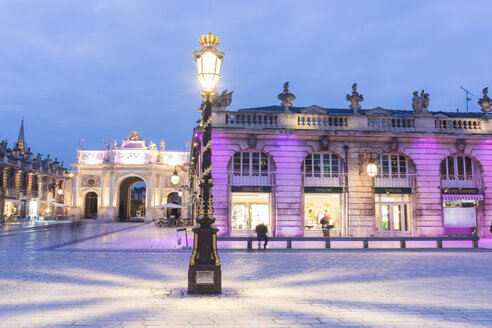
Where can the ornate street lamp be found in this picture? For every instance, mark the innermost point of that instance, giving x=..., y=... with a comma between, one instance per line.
x=204, y=273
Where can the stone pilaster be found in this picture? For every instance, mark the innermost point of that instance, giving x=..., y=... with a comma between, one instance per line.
x=29, y=184
x=361, y=206
x=17, y=182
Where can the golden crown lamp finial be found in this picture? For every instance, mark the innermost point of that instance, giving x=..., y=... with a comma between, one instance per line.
x=209, y=40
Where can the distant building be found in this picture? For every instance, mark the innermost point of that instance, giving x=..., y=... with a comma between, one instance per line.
x=30, y=186
x=103, y=179
x=138, y=193
x=290, y=167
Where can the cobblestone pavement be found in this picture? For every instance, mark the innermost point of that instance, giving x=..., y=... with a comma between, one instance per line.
x=46, y=286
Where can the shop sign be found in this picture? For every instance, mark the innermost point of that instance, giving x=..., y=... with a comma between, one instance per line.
x=397, y=191
x=251, y=188
x=323, y=190
x=460, y=191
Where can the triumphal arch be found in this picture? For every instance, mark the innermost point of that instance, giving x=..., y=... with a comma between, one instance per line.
x=103, y=179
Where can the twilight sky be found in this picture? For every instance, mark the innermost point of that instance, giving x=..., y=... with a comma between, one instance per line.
x=94, y=69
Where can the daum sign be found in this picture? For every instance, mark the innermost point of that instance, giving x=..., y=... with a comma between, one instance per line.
x=323, y=190
x=460, y=191
x=251, y=188
x=384, y=190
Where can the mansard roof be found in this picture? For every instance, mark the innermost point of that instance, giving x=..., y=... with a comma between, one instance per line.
x=367, y=111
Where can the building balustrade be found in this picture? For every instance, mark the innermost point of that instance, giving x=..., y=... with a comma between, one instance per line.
x=390, y=123
x=254, y=179
x=395, y=181
x=462, y=181
x=261, y=120
x=458, y=124
x=428, y=123
x=322, y=121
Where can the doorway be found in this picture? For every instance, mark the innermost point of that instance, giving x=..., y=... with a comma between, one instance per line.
x=393, y=215
x=90, y=208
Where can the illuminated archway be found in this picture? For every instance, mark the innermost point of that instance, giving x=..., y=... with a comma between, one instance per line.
x=126, y=208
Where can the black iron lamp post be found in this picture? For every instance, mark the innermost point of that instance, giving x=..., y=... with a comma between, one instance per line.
x=204, y=273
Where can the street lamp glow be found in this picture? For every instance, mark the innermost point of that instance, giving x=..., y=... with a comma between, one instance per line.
x=60, y=191
x=372, y=169
x=208, y=62
x=175, y=177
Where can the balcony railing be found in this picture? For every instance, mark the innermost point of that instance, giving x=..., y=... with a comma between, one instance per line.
x=395, y=180
x=322, y=180
x=244, y=179
x=462, y=181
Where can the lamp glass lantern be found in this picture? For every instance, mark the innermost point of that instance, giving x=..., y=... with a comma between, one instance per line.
x=208, y=62
x=175, y=177
x=372, y=169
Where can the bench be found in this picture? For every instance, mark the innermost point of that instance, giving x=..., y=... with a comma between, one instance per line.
x=365, y=240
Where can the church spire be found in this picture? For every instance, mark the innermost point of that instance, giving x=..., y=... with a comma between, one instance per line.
x=20, y=146
x=20, y=141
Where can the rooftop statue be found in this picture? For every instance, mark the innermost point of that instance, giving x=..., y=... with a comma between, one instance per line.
x=485, y=102
x=223, y=100
x=420, y=103
x=286, y=97
x=133, y=136
x=355, y=99
x=162, y=145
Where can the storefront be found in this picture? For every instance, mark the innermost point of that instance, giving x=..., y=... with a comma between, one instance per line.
x=250, y=207
x=11, y=209
x=322, y=202
x=460, y=210
x=33, y=208
x=393, y=211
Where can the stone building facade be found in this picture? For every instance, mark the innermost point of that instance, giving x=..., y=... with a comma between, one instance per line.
x=30, y=186
x=103, y=179
x=290, y=167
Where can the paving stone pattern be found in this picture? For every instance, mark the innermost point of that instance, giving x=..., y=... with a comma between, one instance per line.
x=46, y=286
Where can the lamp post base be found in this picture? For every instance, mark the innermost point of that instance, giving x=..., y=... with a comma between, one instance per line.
x=204, y=279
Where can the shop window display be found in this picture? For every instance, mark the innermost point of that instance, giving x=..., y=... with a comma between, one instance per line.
x=249, y=210
x=319, y=206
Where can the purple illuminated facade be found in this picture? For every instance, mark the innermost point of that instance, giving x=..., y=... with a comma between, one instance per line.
x=290, y=167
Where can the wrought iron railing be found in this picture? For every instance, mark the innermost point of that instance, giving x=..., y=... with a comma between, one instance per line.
x=395, y=180
x=254, y=179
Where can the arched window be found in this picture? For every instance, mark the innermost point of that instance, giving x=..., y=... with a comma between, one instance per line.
x=457, y=168
x=253, y=168
x=393, y=165
x=322, y=165
x=251, y=163
x=395, y=171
